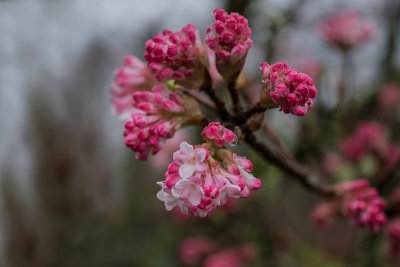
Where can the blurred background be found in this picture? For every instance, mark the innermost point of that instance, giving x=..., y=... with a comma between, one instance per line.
x=72, y=194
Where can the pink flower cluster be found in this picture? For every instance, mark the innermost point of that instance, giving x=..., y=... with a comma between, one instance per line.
x=218, y=134
x=155, y=117
x=347, y=29
x=369, y=136
x=229, y=36
x=362, y=204
x=180, y=56
x=356, y=200
x=134, y=76
x=393, y=233
x=203, y=177
x=292, y=91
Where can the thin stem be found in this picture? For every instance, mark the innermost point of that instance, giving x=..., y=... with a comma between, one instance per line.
x=275, y=139
x=204, y=101
x=253, y=110
x=219, y=103
x=235, y=97
x=289, y=166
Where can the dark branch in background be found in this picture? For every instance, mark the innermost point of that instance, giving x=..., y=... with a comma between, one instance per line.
x=392, y=15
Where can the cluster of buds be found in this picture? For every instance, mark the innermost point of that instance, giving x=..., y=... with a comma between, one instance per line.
x=293, y=92
x=178, y=56
x=203, y=177
x=347, y=29
x=156, y=116
x=218, y=134
x=369, y=136
x=229, y=36
x=134, y=76
x=356, y=200
x=393, y=233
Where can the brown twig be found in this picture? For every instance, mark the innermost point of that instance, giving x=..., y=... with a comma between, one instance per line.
x=234, y=96
x=275, y=139
x=289, y=166
x=219, y=103
x=201, y=99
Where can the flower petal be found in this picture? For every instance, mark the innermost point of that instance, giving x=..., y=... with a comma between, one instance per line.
x=186, y=170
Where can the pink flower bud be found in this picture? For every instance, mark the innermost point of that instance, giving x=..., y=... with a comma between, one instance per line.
x=178, y=56
x=219, y=134
x=292, y=91
x=134, y=76
x=155, y=117
x=229, y=36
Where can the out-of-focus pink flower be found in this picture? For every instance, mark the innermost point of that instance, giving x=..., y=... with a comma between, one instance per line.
x=362, y=204
x=369, y=136
x=393, y=233
x=239, y=256
x=356, y=200
x=134, y=76
x=155, y=118
x=193, y=249
x=229, y=36
x=203, y=177
x=347, y=29
x=293, y=92
x=325, y=213
x=389, y=97
x=178, y=56
x=332, y=163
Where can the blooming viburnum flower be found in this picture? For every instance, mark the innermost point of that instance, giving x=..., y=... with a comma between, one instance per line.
x=178, y=56
x=229, y=36
x=293, y=92
x=134, y=76
x=203, y=177
x=347, y=29
x=356, y=200
x=156, y=116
